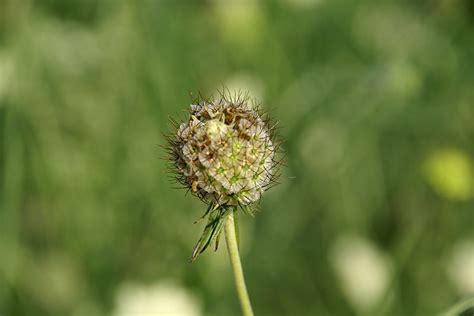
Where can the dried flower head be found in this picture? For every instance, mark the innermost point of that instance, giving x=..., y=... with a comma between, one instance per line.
x=224, y=154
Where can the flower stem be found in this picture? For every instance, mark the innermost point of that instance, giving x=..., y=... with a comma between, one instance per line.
x=234, y=256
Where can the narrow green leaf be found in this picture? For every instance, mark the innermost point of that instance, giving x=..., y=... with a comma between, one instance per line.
x=209, y=208
x=211, y=231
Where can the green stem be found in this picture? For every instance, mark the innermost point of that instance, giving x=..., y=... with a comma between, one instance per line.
x=234, y=256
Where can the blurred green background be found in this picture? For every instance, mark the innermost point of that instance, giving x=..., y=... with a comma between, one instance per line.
x=375, y=212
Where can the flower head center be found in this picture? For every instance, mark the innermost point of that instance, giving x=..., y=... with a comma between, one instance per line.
x=216, y=129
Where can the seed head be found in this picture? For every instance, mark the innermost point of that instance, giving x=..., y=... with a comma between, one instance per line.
x=224, y=153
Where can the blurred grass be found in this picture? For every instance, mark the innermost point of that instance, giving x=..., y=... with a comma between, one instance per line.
x=375, y=99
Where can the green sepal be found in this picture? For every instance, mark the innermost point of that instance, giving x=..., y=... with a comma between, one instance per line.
x=247, y=210
x=211, y=231
x=209, y=208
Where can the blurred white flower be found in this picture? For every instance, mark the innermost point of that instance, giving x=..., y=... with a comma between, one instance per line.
x=55, y=282
x=363, y=271
x=449, y=172
x=239, y=21
x=164, y=298
x=460, y=267
x=245, y=83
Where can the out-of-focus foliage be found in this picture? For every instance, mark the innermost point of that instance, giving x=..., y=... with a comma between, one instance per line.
x=375, y=213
